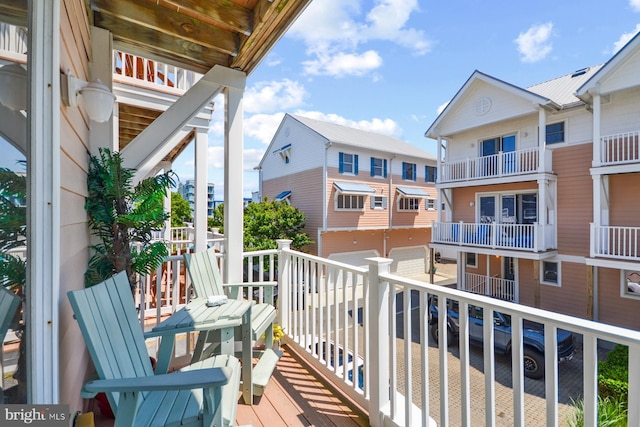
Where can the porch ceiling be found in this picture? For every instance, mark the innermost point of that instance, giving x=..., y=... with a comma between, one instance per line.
x=197, y=34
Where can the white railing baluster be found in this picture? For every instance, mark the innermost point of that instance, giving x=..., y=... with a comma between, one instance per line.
x=590, y=368
x=551, y=373
x=465, y=381
x=517, y=373
x=489, y=364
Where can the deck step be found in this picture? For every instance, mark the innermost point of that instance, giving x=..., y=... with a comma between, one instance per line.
x=264, y=369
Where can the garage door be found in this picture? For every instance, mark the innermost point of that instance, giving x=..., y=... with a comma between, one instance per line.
x=409, y=261
x=357, y=259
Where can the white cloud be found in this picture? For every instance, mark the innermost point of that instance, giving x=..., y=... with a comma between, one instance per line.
x=262, y=126
x=376, y=125
x=624, y=38
x=442, y=107
x=269, y=96
x=635, y=5
x=335, y=31
x=534, y=45
x=343, y=64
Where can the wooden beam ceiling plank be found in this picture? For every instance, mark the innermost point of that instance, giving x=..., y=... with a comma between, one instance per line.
x=170, y=22
x=222, y=13
x=14, y=12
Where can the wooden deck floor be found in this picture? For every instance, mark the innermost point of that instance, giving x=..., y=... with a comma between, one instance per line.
x=294, y=397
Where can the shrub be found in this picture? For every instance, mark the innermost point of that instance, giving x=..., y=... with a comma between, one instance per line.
x=613, y=374
x=612, y=412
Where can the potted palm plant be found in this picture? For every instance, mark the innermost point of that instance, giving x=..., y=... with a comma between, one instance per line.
x=123, y=217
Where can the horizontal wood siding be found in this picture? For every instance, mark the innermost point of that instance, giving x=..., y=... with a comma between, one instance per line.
x=574, y=199
x=306, y=196
x=526, y=284
x=343, y=241
x=571, y=297
x=612, y=308
x=74, y=236
x=624, y=203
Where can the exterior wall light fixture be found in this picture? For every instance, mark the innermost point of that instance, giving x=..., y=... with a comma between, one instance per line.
x=98, y=99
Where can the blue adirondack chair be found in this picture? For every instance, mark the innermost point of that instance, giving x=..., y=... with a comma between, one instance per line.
x=202, y=394
x=206, y=281
x=8, y=305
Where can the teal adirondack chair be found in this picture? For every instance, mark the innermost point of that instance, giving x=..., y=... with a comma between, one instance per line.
x=206, y=281
x=9, y=303
x=202, y=394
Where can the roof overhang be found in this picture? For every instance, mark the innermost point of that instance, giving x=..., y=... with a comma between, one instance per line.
x=283, y=196
x=354, y=188
x=412, y=192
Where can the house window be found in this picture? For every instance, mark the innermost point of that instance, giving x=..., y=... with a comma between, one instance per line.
x=431, y=204
x=408, y=171
x=550, y=274
x=555, y=133
x=408, y=204
x=348, y=163
x=472, y=259
x=430, y=173
x=349, y=202
x=630, y=284
x=379, y=167
x=378, y=202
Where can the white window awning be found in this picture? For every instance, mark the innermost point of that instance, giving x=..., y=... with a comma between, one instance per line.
x=353, y=188
x=283, y=196
x=412, y=192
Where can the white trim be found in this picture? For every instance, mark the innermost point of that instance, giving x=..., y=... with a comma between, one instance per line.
x=624, y=292
x=43, y=212
x=535, y=176
x=558, y=282
x=339, y=194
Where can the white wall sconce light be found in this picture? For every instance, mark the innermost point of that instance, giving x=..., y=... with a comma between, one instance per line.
x=98, y=99
x=13, y=86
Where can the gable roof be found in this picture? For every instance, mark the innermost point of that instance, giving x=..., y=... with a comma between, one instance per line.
x=562, y=90
x=479, y=76
x=357, y=138
x=608, y=68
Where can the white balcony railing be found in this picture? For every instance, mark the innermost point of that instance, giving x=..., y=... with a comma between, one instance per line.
x=620, y=148
x=137, y=70
x=526, y=237
x=622, y=243
x=353, y=324
x=13, y=43
x=494, y=166
x=494, y=287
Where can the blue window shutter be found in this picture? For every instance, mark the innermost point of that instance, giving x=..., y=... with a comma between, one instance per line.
x=435, y=174
x=404, y=171
x=384, y=201
x=373, y=203
x=373, y=161
x=414, y=172
x=341, y=162
x=426, y=174
x=355, y=164
x=384, y=166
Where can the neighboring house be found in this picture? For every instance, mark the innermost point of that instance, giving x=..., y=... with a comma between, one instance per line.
x=187, y=191
x=540, y=188
x=364, y=194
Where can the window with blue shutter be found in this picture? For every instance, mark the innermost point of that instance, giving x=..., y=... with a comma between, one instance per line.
x=378, y=167
x=430, y=173
x=408, y=171
x=348, y=163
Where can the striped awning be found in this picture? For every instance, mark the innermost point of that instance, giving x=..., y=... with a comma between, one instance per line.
x=412, y=192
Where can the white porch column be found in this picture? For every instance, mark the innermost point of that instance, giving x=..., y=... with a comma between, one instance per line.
x=439, y=171
x=43, y=210
x=597, y=202
x=200, y=192
x=102, y=135
x=542, y=136
x=597, y=158
x=166, y=205
x=233, y=184
x=542, y=214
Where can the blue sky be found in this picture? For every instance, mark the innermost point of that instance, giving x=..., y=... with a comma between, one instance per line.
x=390, y=66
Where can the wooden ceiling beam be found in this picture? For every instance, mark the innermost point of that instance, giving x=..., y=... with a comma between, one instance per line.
x=221, y=13
x=164, y=20
x=14, y=12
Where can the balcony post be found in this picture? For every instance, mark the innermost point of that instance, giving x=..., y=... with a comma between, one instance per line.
x=597, y=143
x=542, y=135
x=380, y=336
x=284, y=282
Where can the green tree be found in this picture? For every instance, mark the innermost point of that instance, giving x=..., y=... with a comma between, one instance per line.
x=217, y=221
x=123, y=217
x=180, y=210
x=270, y=220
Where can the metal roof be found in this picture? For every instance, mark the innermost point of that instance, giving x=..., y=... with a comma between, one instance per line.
x=562, y=90
x=353, y=188
x=412, y=192
x=363, y=139
x=283, y=196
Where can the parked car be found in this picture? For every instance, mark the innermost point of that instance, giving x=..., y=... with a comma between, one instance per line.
x=533, y=335
x=323, y=351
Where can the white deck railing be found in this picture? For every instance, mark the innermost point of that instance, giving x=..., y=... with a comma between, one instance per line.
x=129, y=68
x=494, y=287
x=13, y=43
x=620, y=148
x=353, y=324
x=615, y=242
x=527, y=237
x=497, y=165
